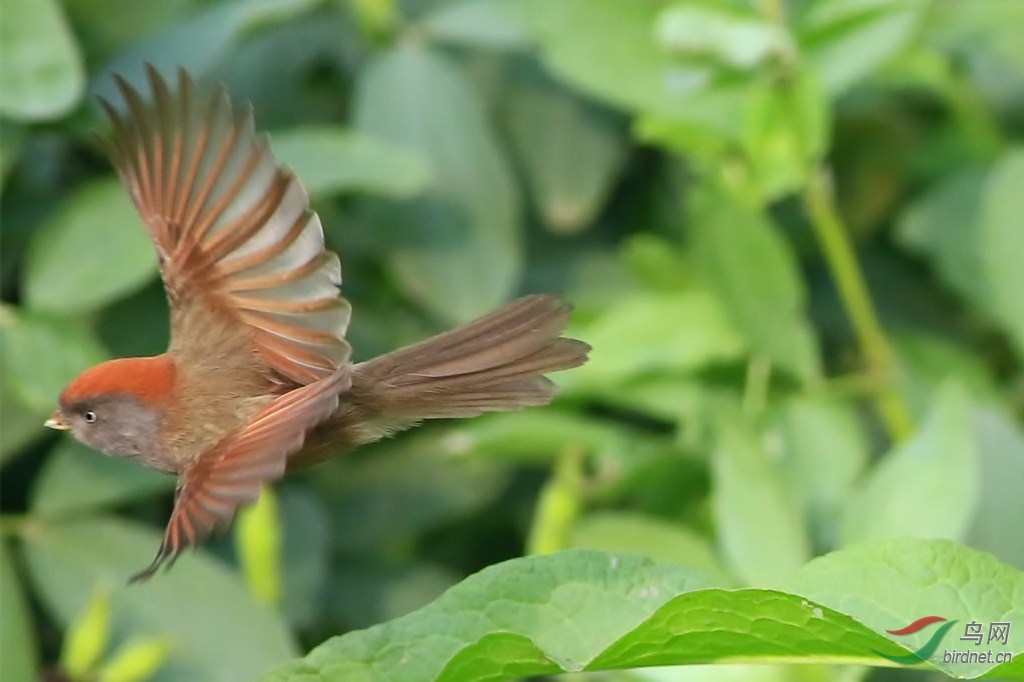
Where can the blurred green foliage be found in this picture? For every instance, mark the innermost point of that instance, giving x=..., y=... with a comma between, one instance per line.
x=793, y=233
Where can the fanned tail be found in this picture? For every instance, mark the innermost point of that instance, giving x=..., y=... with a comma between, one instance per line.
x=495, y=363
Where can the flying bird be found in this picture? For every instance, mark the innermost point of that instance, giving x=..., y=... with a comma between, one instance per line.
x=257, y=378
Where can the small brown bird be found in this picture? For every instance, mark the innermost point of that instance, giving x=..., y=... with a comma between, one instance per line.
x=257, y=378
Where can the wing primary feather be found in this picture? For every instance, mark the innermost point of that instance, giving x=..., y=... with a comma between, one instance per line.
x=199, y=202
x=158, y=142
x=169, y=174
x=142, y=135
x=231, y=266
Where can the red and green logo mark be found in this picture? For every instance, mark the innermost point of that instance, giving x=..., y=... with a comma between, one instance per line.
x=925, y=652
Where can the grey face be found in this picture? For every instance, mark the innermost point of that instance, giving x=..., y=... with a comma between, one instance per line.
x=115, y=424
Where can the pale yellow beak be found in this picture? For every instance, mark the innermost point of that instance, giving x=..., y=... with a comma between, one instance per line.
x=57, y=421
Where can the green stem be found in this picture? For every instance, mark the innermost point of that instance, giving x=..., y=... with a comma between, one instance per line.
x=878, y=355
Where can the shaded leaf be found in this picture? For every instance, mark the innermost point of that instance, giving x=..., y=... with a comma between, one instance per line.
x=926, y=487
x=218, y=630
x=456, y=250
x=758, y=521
x=332, y=160
x=76, y=479
x=477, y=23
x=41, y=75
x=664, y=542
x=943, y=225
x=1001, y=243
x=755, y=273
x=821, y=450
x=995, y=527
x=17, y=636
x=40, y=355
x=197, y=42
x=570, y=150
x=92, y=252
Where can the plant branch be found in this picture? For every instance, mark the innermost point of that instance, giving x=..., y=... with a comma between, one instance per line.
x=878, y=355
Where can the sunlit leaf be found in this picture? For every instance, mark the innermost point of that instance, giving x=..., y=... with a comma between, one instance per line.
x=587, y=610
x=846, y=40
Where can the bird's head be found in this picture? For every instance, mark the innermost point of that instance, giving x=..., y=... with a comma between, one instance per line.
x=115, y=407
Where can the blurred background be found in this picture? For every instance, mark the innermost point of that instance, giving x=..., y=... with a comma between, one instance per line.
x=792, y=231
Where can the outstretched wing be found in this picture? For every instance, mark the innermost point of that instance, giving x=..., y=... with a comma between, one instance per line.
x=233, y=231
x=230, y=474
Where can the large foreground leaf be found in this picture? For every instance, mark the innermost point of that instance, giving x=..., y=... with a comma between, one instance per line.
x=588, y=610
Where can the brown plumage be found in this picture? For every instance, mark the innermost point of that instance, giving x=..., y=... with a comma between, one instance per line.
x=257, y=377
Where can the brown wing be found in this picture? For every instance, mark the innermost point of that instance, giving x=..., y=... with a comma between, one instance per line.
x=232, y=230
x=230, y=474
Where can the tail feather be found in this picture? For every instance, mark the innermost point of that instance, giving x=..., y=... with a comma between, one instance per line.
x=494, y=363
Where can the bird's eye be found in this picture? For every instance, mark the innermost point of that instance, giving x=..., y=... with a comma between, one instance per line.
x=90, y=417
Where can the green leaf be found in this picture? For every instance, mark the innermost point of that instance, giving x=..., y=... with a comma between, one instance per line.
x=492, y=24
x=87, y=636
x=456, y=250
x=198, y=42
x=218, y=630
x=587, y=610
x=17, y=636
x=258, y=546
x=757, y=518
x=76, y=479
x=735, y=38
x=943, y=225
x=1001, y=243
x=847, y=40
x=821, y=453
x=927, y=486
x=136, y=661
x=785, y=132
x=403, y=488
x=664, y=542
x=755, y=273
x=653, y=333
x=41, y=75
x=995, y=527
x=571, y=151
x=21, y=425
x=887, y=584
x=39, y=355
x=612, y=52
x=331, y=160
x=68, y=268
